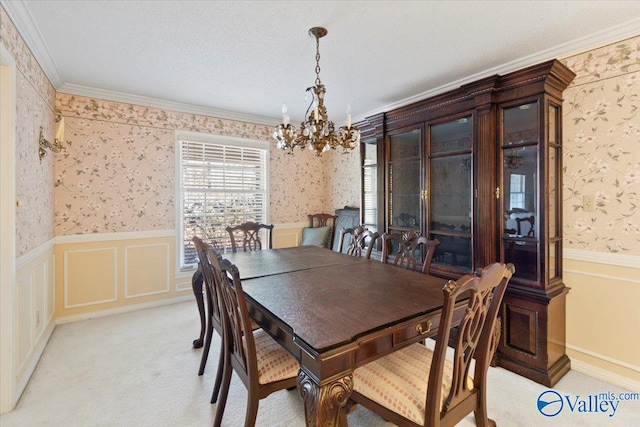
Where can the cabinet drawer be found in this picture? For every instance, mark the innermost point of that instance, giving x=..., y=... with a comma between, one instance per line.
x=416, y=331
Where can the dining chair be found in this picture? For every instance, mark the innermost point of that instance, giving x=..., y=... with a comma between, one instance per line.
x=417, y=386
x=359, y=237
x=529, y=228
x=409, y=250
x=249, y=234
x=321, y=230
x=214, y=312
x=260, y=362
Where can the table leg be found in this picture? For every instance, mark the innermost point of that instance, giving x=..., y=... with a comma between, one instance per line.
x=322, y=404
x=196, y=285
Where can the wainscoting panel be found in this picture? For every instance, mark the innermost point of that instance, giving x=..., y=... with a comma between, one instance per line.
x=602, y=314
x=90, y=277
x=288, y=235
x=24, y=317
x=144, y=275
x=184, y=285
x=34, y=310
x=39, y=283
x=103, y=274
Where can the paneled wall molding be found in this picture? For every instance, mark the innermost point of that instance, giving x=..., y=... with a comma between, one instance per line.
x=138, y=280
x=608, y=258
x=73, y=287
x=35, y=253
x=30, y=363
x=124, y=309
x=604, y=374
x=186, y=285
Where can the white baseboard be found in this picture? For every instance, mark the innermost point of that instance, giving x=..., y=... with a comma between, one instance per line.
x=125, y=309
x=603, y=374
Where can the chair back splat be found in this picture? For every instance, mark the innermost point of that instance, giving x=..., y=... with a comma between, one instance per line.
x=394, y=386
x=360, y=238
x=409, y=250
x=474, y=340
x=248, y=234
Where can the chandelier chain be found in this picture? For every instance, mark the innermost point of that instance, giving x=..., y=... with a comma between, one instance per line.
x=318, y=82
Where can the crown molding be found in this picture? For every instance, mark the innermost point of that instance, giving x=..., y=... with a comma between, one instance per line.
x=592, y=41
x=110, y=95
x=26, y=26
x=22, y=19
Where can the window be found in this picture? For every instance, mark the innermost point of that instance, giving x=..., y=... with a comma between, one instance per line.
x=370, y=183
x=517, y=191
x=222, y=181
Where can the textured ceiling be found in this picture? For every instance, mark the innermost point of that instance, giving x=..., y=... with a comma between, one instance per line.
x=249, y=57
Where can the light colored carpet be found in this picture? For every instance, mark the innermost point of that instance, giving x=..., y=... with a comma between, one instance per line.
x=139, y=369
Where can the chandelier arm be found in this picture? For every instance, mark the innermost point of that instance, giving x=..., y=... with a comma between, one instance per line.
x=313, y=99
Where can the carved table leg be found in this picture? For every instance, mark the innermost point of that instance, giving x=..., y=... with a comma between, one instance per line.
x=322, y=403
x=196, y=285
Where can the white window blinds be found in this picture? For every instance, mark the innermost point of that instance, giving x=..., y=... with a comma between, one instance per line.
x=220, y=185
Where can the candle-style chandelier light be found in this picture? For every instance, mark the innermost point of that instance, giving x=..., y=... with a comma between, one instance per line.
x=317, y=132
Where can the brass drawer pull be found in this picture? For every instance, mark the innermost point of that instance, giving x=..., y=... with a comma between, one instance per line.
x=419, y=328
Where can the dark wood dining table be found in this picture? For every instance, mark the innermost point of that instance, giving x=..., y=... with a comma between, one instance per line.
x=269, y=262
x=334, y=313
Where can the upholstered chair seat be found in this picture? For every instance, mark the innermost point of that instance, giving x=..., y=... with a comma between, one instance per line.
x=399, y=381
x=274, y=362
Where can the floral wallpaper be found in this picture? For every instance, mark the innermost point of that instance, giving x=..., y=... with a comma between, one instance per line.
x=117, y=175
x=35, y=100
x=601, y=132
x=343, y=170
x=119, y=178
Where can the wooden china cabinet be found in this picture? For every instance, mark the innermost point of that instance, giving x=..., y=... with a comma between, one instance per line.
x=480, y=169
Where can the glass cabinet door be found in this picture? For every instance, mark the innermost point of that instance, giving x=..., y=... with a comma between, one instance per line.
x=520, y=230
x=554, y=166
x=449, y=195
x=404, y=181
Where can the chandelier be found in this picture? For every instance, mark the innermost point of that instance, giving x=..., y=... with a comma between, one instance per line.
x=513, y=161
x=317, y=132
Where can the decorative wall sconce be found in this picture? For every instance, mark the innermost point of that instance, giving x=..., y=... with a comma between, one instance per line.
x=57, y=146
